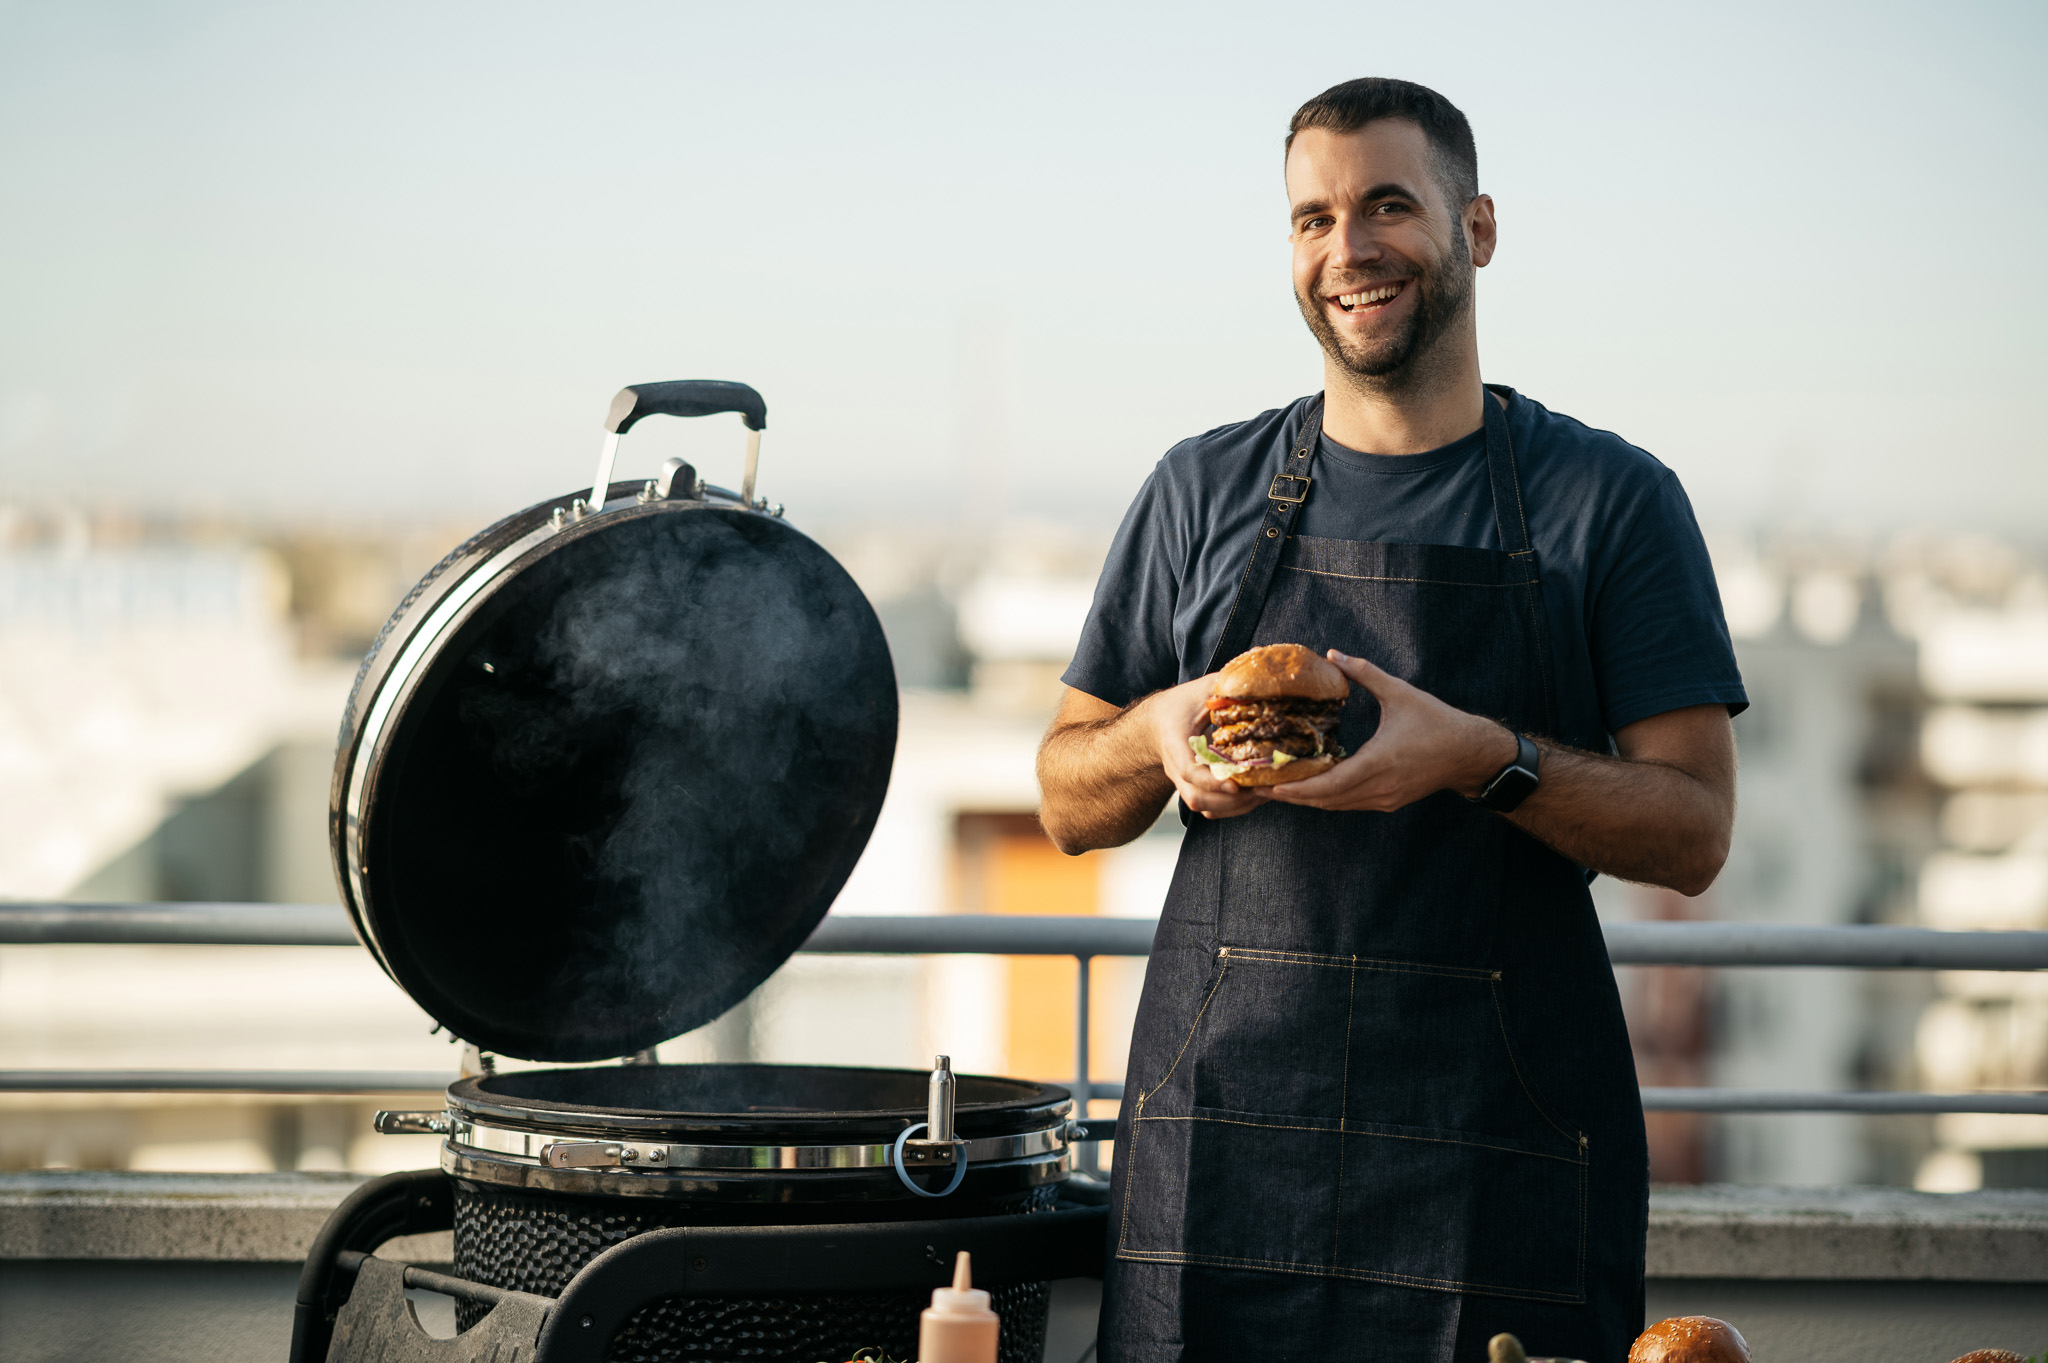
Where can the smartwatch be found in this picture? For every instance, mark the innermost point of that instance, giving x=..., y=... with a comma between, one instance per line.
x=1516, y=781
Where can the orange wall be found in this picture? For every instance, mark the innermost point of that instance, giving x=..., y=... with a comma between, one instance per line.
x=1027, y=874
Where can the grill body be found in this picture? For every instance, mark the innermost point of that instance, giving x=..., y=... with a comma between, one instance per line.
x=524, y=1225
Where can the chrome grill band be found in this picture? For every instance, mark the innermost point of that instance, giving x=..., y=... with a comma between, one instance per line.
x=530, y=1147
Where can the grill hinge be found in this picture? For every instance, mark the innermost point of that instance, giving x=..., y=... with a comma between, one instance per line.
x=602, y=1155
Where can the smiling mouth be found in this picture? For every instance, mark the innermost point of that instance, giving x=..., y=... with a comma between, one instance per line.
x=1370, y=299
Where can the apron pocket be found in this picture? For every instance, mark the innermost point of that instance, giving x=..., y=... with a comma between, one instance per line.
x=1416, y=1208
x=1461, y=1212
x=1357, y=1118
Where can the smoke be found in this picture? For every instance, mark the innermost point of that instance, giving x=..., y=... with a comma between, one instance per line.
x=673, y=737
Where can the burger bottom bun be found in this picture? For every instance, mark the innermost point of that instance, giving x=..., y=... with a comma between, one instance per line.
x=1300, y=769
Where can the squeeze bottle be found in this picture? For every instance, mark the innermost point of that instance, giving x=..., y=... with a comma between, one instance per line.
x=958, y=1327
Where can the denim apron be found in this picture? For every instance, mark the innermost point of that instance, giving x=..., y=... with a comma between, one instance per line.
x=1380, y=1101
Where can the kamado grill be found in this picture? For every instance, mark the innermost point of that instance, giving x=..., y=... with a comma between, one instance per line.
x=602, y=772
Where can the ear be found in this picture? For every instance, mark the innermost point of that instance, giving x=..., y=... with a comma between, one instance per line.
x=1481, y=230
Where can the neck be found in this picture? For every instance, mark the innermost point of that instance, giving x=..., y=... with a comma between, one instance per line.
x=1439, y=399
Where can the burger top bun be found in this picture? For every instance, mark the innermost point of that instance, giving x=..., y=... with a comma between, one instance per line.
x=1277, y=671
x=1690, y=1339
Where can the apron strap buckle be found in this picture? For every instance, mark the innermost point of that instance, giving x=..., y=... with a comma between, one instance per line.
x=1289, y=487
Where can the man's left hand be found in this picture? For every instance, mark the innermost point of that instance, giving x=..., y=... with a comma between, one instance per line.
x=1421, y=747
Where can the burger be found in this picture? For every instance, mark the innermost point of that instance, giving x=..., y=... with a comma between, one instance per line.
x=1273, y=717
x=1690, y=1339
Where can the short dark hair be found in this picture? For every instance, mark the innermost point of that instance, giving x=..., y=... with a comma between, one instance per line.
x=1348, y=107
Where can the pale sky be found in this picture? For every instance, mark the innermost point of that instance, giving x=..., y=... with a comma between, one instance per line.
x=377, y=259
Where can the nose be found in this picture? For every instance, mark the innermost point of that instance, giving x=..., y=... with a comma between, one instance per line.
x=1356, y=246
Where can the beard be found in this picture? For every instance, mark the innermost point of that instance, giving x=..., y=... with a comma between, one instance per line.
x=1442, y=295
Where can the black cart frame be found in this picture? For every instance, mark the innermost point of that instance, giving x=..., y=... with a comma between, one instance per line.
x=353, y=1303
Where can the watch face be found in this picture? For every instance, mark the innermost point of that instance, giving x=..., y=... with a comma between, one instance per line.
x=1509, y=789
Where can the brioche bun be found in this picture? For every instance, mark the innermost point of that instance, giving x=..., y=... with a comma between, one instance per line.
x=1690, y=1339
x=1300, y=769
x=1281, y=672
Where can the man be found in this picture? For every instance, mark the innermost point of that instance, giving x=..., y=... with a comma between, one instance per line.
x=1380, y=1102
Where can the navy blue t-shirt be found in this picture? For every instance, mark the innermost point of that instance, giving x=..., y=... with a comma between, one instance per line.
x=1635, y=617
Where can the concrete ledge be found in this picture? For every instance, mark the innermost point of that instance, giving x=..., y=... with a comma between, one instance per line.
x=216, y=1218
x=1715, y=1231
x=1847, y=1234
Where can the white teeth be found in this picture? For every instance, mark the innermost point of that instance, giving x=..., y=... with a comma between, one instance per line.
x=1379, y=295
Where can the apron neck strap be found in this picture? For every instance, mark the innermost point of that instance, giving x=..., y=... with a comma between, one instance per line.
x=1284, y=498
x=1508, y=516
x=1289, y=490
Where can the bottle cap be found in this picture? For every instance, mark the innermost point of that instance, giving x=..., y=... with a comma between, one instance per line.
x=963, y=1297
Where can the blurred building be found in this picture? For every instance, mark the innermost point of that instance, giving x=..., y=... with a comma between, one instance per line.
x=1984, y=665
x=168, y=697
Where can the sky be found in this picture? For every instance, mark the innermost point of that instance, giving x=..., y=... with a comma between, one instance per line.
x=388, y=262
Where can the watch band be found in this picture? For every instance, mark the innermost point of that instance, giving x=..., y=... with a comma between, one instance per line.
x=1515, y=782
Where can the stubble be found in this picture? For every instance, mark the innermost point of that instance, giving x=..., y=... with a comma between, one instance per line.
x=1397, y=362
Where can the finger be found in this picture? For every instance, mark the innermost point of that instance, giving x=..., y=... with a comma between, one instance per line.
x=1196, y=784
x=1222, y=805
x=1353, y=771
x=1372, y=678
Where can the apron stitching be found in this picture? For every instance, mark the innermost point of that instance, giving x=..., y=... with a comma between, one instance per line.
x=1377, y=1135
x=1131, y=1155
x=1369, y=1275
x=1507, y=1043
x=1343, y=1116
x=1428, y=581
x=1581, y=1279
x=1193, y=1027
x=1130, y=1163
x=1382, y=964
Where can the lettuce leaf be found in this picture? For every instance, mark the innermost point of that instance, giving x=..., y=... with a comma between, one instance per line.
x=1221, y=767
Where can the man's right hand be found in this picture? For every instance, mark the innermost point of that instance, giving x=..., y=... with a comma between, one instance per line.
x=1104, y=773
x=1175, y=716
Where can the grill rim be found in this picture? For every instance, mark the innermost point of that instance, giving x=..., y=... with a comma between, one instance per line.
x=1037, y=1107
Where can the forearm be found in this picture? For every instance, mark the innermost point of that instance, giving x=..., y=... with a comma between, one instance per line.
x=1100, y=780
x=1638, y=820
x=1661, y=812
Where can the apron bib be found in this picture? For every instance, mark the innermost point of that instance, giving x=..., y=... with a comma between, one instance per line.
x=1380, y=1099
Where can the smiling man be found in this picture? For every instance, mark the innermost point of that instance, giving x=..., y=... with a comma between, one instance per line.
x=1380, y=1102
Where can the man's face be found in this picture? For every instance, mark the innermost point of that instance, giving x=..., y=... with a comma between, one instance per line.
x=1382, y=263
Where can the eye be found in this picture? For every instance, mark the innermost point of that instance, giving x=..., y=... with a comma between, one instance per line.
x=1317, y=223
x=1391, y=208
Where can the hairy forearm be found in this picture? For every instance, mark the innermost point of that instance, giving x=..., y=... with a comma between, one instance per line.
x=1638, y=820
x=1100, y=781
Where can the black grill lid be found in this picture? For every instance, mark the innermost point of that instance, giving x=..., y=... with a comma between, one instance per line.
x=600, y=777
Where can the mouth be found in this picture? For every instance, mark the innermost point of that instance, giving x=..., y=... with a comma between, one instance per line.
x=1370, y=300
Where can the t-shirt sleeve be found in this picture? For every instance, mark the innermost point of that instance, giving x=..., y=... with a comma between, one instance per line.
x=1126, y=649
x=1658, y=638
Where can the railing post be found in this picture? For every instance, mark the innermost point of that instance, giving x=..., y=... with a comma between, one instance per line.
x=1087, y=1158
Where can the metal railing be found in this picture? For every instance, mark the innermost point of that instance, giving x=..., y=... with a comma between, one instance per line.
x=1637, y=944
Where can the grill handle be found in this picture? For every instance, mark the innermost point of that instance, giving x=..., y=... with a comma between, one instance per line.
x=680, y=397
x=412, y=1124
x=686, y=397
